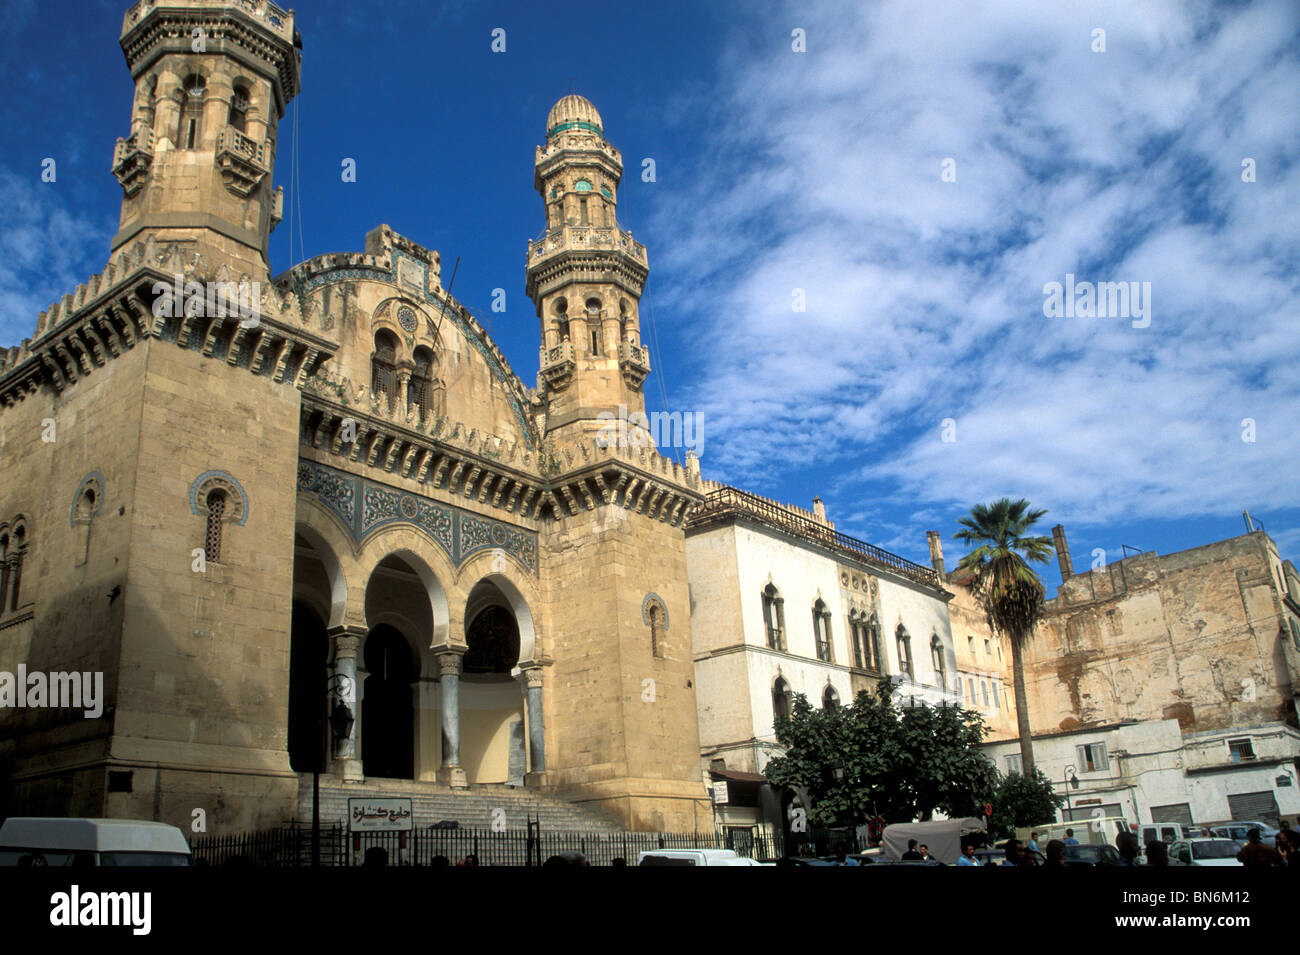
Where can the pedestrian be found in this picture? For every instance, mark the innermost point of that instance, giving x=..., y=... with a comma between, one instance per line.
x=968, y=855
x=925, y=852
x=1255, y=855
x=911, y=855
x=842, y=855
x=1157, y=854
x=1127, y=845
x=1014, y=852
x=1056, y=854
x=440, y=862
x=1069, y=839
x=376, y=858
x=1033, y=843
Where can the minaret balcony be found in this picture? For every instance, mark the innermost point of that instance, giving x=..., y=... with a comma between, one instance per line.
x=580, y=238
x=557, y=364
x=132, y=159
x=243, y=161
x=634, y=361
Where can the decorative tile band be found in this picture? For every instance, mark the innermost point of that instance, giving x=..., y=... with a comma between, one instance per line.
x=364, y=506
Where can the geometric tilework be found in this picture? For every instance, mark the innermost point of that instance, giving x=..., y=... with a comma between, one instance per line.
x=364, y=506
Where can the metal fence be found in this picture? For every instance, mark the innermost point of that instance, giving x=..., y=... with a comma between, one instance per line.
x=292, y=846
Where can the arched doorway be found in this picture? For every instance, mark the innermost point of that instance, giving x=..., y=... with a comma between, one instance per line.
x=387, y=709
x=308, y=653
x=492, y=739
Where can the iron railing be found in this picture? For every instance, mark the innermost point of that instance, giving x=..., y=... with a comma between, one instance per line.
x=731, y=500
x=290, y=846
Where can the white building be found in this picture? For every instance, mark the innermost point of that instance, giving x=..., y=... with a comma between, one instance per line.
x=1150, y=771
x=782, y=604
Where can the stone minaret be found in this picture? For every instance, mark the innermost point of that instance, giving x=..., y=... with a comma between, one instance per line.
x=585, y=277
x=212, y=80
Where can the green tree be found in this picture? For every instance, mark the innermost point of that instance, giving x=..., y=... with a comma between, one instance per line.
x=897, y=761
x=1007, y=587
x=1022, y=801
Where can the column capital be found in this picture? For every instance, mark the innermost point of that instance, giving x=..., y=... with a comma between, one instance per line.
x=347, y=639
x=449, y=661
x=531, y=676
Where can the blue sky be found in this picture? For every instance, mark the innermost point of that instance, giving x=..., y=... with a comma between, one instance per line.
x=818, y=171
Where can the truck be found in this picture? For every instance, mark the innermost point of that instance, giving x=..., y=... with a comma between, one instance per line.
x=942, y=838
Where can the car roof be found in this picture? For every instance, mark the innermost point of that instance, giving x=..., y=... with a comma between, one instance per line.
x=92, y=835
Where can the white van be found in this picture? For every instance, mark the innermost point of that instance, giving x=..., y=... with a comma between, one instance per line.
x=693, y=857
x=28, y=841
x=1166, y=832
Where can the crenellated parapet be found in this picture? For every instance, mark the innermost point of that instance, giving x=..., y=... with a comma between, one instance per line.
x=108, y=315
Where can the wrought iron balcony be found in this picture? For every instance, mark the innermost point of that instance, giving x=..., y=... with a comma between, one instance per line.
x=570, y=237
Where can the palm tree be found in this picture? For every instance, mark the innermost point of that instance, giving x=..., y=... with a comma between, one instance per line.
x=1007, y=587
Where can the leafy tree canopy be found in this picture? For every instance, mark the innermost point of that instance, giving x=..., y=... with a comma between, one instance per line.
x=900, y=762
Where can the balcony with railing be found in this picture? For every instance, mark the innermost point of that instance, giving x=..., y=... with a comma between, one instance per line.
x=243, y=161
x=132, y=158
x=584, y=238
x=634, y=361
x=277, y=18
x=557, y=364
x=731, y=501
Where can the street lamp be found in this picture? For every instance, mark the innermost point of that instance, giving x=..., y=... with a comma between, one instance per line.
x=1071, y=781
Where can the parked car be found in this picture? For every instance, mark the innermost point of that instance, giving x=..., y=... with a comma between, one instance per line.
x=1206, y=852
x=694, y=857
x=30, y=841
x=1092, y=855
x=1237, y=830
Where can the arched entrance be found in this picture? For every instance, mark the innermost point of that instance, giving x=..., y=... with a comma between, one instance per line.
x=492, y=739
x=387, y=709
x=308, y=654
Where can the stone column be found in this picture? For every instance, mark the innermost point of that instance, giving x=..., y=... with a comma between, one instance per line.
x=536, y=774
x=450, y=773
x=343, y=691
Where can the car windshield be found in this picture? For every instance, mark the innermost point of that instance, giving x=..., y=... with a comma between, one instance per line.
x=1217, y=849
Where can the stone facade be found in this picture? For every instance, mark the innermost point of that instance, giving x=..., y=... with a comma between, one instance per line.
x=333, y=530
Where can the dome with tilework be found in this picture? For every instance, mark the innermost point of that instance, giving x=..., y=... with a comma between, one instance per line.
x=573, y=112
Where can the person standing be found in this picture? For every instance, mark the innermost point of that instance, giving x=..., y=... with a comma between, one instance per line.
x=1033, y=843
x=968, y=855
x=1056, y=854
x=1069, y=839
x=911, y=855
x=1255, y=855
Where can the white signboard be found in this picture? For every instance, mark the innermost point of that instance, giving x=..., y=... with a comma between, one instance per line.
x=379, y=815
x=720, y=792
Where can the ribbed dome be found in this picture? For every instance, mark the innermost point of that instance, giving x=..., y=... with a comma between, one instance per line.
x=573, y=109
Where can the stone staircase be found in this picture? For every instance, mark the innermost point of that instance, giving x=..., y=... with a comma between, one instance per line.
x=472, y=808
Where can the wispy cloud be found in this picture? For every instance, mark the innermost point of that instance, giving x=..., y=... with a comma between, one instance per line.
x=925, y=297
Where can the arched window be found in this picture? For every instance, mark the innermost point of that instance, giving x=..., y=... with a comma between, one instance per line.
x=382, y=364
x=822, y=631
x=239, y=109
x=874, y=652
x=655, y=649
x=4, y=573
x=905, y=652
x=774, y=617
x=857, y=631
x=190, y=131
x=830, y=699
x=216, y=505
x=419, y=390
x=84, y=516
x=780, y=699
x=936, y=658
x=593, y=324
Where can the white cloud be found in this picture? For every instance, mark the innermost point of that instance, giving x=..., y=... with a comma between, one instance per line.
x=925, y=298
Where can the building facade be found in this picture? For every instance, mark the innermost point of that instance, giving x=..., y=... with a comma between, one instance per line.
x=332, y=529
x=783, y=604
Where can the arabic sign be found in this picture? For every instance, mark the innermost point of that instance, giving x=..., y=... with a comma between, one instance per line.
x=720, y=792
x=384, y=815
